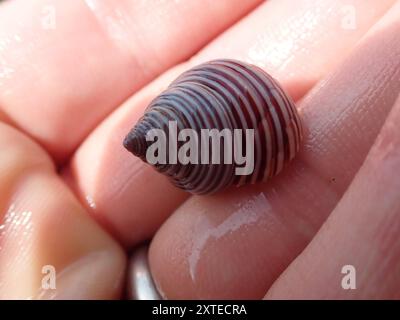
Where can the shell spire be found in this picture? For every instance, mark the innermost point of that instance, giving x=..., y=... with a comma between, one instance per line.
x=214, y=122
x=135, y=142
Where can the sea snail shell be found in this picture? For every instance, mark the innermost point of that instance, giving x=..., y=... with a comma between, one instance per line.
x=222, y=94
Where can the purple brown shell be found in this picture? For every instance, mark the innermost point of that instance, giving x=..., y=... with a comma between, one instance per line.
x=223, y=94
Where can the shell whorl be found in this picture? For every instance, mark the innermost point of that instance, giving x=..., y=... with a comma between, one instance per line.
x=223, y=94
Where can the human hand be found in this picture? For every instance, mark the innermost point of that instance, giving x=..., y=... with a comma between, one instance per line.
x=65, y=81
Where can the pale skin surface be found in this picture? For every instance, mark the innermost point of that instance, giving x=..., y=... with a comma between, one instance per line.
x=72, y=197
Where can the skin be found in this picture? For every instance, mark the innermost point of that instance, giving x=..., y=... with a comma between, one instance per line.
x=73, y=198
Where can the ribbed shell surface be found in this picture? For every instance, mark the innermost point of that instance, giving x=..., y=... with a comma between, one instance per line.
x=227, y=94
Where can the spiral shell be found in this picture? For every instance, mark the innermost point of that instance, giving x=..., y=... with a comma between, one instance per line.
x=223, y=94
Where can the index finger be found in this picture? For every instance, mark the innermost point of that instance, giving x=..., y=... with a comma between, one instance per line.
x=60, y=78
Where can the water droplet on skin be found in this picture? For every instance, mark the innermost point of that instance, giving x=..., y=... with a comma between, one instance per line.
x=247, y=213
x=16, y=223
x=90, y=201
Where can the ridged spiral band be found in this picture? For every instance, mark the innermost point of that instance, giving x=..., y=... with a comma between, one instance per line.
x=226, y=94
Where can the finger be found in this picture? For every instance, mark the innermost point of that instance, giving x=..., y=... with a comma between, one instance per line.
x=362, y=232
x=138, y=199
x=234, y=245
x=126, y=196
x=43, y=227
x=297, y=40
x=74, y=74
